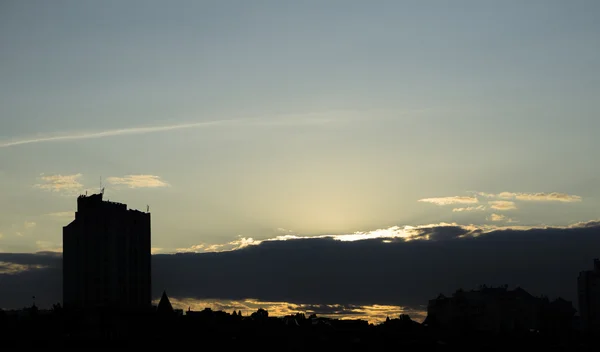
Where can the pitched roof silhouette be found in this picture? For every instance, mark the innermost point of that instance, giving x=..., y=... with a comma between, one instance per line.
x=164, y=306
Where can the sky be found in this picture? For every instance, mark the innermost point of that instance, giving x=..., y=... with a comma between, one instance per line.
x=238, y=122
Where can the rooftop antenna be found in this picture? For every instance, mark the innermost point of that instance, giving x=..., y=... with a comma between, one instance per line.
x=101, y=187
x=147, y=208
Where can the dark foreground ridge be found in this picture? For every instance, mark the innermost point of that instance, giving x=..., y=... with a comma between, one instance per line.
x=489, y=319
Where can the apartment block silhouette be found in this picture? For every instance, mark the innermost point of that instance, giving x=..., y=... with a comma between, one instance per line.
x=106, y=257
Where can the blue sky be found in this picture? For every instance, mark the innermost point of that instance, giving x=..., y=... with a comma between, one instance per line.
x=256, y=119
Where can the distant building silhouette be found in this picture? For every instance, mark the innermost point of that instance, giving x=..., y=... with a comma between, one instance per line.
x=106, y=257
x=164, y=305
x=497, y=309
x=588, y=285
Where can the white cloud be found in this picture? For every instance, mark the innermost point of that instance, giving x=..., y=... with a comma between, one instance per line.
x=244, y=242
x=138, y=181
x=197, y=248
x=240, y=243
x=216, y=248
x=497, y=217
x=504, y=218
x=450, y=200
x=502, y=205
x=505, y=195
x=477, y=208
x=68, y=184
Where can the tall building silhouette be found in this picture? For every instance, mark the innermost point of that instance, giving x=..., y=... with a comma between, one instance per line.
x=106, y=257
x=588, y=285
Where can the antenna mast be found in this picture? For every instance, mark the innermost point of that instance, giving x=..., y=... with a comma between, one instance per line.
x=101, y=187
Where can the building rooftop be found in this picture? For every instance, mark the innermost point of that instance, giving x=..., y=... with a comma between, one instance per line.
x=95, y=201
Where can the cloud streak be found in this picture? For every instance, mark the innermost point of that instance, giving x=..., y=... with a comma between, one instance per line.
x=305, y=119
x=138, y=181
x=450, y=200
x=502, y=201
x=541, y=197
x=111, y=133
x=477, y=208
x=502, y=205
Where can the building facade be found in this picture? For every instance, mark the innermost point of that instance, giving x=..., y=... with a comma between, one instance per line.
x=588, y=290
x=106, y=257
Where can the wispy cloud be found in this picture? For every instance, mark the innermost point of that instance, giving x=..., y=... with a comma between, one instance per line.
x=138, y=181
x=502, y=205
x=500, y=217
x=503, y=200
x=111, y=133
x=192, y=249
x=290, y=120
x=240, y=243
x=286, y=231
x=451, y=200
x=8, y=268
x=29, y=224
x=541, y=197
x=372, y=313
x=486, y=195
x=477, y=208
x=60, y=183
x=497, y=217
x=62, y=214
